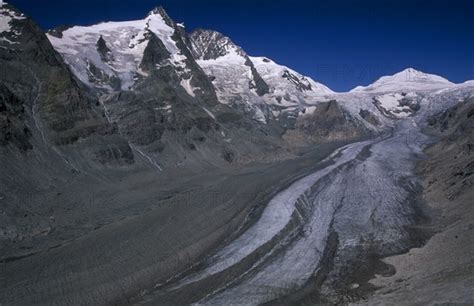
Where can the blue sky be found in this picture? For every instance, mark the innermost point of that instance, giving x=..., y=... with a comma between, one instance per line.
x=341, y=44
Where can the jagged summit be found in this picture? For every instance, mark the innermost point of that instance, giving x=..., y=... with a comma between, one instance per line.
x=209, y=44
x=157, y=10
x=12, y=22
x=160, y=11
x=407, y=79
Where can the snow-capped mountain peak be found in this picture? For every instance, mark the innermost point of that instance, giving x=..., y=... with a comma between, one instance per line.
x=160, y=11
x=10, y=25
x=257, y=84
x=408, y=79
x=413, y=75
x=7, y=15
x=125, y=41
x=116, y=56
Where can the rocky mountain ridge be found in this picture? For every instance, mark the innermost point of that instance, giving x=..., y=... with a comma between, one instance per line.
x=116, y=57
x=176, y=97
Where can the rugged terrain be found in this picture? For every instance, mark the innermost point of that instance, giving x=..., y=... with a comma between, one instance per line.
x=141, y=163
x=446, y=261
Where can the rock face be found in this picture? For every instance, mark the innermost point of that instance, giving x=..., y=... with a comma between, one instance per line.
x=369, y=117
x=154, y=53
x=104, y=51
x=12, y=121
x=455, y=151
x=40, y=91
x=327, y=122
x=397, y=105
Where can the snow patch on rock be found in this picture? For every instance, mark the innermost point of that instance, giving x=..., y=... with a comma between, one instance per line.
x=186, y=84
x=396, y=104
x=6, y=16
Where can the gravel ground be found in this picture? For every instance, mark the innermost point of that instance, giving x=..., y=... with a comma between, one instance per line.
x=113, y=234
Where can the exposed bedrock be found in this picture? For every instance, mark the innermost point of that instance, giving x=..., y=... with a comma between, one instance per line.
x=328, y=122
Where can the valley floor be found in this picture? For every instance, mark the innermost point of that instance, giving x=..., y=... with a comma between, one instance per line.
x=324, y=244
x=121, y=235
x=319, y=240
x=303, y=231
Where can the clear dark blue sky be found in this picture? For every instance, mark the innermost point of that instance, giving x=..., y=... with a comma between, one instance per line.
x=339, y=43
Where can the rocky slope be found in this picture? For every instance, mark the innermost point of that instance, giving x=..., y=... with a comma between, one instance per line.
x=327, y=121
x=39, y=89
x=51, y=130
x=150, y=85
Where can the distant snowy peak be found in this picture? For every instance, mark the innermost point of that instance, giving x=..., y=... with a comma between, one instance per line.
x=407, y=80
x=411, y=75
